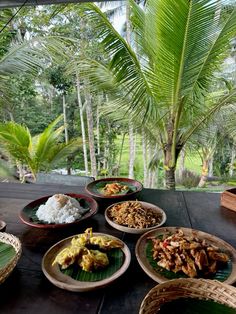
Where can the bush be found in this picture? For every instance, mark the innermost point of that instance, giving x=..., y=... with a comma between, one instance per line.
x=189, y=179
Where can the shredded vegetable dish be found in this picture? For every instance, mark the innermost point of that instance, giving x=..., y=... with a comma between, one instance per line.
x=187, y=254
x=131, y=214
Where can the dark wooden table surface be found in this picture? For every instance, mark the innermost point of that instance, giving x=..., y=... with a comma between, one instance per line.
x=28, y=291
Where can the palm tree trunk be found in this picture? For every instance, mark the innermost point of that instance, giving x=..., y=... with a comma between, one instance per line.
x=170, y=179
x=204, y=175
x=211, y=160
x=98, y=133
x=233, y=154
x=66, y=130
x=82, y=125
x=120, y=155
x=170, y=167
x=182, y=163
x=131, y=150
x=89, y=114
x=65, y=118
x=144, y=149
x=131, y=129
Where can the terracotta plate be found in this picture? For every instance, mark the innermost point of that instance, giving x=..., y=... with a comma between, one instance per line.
x=145, y=206
x=95, y=188
x=227, y=275
x=55, y=275
x=27, y=214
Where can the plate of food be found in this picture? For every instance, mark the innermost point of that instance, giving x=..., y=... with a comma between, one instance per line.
x=86, y=261
x=190, y=295
x=174, y=252
x=114, y=188
x=10, y=252
x=58, y=210
x=135, y=216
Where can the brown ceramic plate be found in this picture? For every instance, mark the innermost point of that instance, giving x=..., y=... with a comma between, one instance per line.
x=63, y=281
x=95, y=188
x=143, y=248
x=146, y=206
x=28, y=213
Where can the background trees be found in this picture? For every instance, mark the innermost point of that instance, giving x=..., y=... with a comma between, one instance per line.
x=160, y=80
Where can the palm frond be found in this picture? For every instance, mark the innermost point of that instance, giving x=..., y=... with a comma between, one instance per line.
x=44, y=141
x=124, y=63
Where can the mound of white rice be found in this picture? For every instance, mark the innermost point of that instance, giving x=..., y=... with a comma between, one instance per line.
x=60, y=208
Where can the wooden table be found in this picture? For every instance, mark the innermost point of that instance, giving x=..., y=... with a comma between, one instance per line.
x=28, y=291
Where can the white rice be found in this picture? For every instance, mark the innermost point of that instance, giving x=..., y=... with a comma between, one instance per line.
x=60, y=208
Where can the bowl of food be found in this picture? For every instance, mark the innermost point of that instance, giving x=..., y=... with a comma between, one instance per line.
x=134, y=216
x=176, y=252
x=86, y=261
x=2, y=226
x=114, y=188
x=58, y=210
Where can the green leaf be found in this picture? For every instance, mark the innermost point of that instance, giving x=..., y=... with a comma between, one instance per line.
x=7, y=253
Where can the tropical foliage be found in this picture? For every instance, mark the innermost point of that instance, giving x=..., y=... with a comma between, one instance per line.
x=34, y=153
x=166, y=75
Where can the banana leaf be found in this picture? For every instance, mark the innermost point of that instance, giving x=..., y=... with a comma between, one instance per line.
x=7, y=253
x=222, y=273
x=98, y=188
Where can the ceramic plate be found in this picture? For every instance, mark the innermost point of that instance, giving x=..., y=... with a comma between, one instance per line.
x=145, y=206
x=64, y=281
x=28, y=216
x=143, y=254
x=95, y=188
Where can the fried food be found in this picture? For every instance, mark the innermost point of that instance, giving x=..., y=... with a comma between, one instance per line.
x=114, y=188
x=187, y=254
x=133, y=215
x=78, y=251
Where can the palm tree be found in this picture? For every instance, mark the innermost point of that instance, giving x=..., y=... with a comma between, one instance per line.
x=37, y=153
x=179, y=47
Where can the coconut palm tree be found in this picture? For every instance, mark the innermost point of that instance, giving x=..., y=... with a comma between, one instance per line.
x=179, y=47
x=36, y=153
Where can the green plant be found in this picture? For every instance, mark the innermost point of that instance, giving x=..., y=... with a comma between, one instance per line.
x=189, y=179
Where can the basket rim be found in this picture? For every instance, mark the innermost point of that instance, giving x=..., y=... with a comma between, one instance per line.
x=203, y=289
x=15, y=242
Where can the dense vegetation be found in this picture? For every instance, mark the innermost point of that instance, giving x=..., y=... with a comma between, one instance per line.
x=136, y=101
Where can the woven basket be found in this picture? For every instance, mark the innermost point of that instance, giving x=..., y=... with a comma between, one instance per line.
x=15, y=242
x=188, y=288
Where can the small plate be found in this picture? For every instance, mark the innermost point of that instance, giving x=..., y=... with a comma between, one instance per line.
x=27, y=214
x=95, y=188
x=56, y=277
x=227, y=275
x=145, y=206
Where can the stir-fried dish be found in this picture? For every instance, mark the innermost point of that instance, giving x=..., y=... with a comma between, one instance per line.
x=114, y=188
x=133, y=215
x=80, y=253
x=187, y=254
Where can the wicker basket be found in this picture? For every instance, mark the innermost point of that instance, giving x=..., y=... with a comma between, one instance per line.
x=15, y=242
x=188, y=288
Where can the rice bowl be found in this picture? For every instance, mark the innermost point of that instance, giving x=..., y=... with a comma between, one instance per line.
x=60, y=208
